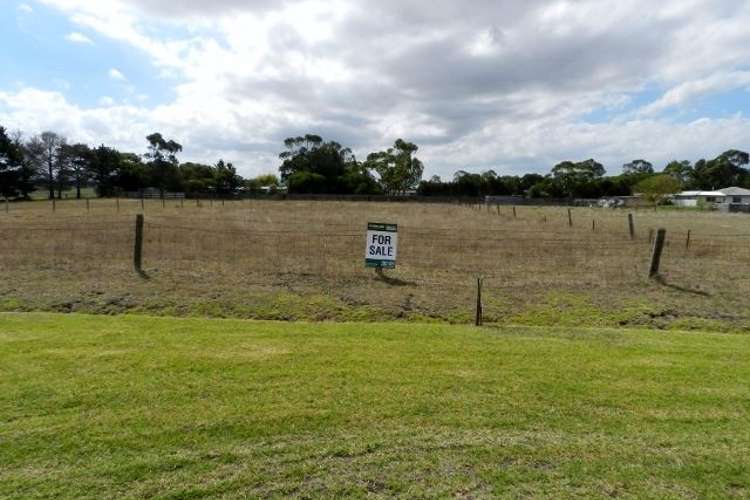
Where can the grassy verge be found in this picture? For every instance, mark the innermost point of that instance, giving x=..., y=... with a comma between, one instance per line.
x=138, y=406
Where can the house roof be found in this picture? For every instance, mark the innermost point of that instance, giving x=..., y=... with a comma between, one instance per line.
x=735, y=191
x=691, y=194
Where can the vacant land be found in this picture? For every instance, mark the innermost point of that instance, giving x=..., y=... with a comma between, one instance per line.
x=304, y=260
x=140, y=407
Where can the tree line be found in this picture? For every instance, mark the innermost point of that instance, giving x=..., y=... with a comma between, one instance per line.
x=587, y=179
x=311, y=165
x=48, y=161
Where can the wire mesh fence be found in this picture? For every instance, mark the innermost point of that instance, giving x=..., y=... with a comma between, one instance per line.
x=442, y=250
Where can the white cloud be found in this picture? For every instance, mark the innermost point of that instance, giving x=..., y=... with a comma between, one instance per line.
x=502, y=84
x=77, y=37
x=116, y=74
x=688, y=91
x=25, y=8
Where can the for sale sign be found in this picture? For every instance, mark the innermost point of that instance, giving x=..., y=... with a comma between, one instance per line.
x=382, y=246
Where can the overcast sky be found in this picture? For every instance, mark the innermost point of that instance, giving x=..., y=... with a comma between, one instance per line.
x=512, y=85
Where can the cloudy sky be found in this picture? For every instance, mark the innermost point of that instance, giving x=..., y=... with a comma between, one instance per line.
x=513, y=85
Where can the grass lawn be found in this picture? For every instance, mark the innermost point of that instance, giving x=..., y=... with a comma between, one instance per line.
x=139, y=407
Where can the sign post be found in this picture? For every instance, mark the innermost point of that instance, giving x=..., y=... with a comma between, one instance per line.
x=382, y=246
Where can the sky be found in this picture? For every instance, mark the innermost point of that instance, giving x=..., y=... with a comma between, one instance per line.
x=510, y=85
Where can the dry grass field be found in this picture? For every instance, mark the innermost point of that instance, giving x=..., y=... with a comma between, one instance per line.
x=305, y=260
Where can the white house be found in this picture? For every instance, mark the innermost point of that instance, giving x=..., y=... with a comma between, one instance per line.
x=698, y=198
x=731, y=195
x=736, y=195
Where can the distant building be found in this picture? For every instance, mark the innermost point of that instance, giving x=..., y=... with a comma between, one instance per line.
x=727, y=196
x=621, y=202
x=737, y=195
x=152, y=193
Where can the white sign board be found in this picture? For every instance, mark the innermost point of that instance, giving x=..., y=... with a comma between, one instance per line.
x=382, y=246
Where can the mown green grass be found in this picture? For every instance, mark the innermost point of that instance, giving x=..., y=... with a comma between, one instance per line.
x=176, y=408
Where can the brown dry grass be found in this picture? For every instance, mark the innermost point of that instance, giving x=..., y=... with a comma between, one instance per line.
x=304, y=260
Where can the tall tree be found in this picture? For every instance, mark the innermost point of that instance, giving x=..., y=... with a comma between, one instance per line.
x=44, y=153
x=11, y=167
x=727, y=169
x=398, y=168
x=311, y=165
x=226, y=180
x=576, y=178
x=682, y=171
x=77, y=160
x=103, y=169
x=132, y=173
x=162, y=156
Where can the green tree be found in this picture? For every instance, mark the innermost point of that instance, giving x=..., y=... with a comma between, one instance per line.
x=12, y=168
x=44, y=153
x=263, y=183
x=638, y=167
x=164, y=167
x=76, y=160
x=226, y=180
x=309, y=183
x=528, y=181
x=357, y=179
x=311, y=165
x=103, y=169
x=132, y=173
x=467, y=184
x=657, y=188
x=197, y=177
x=576, y=178
x=682, y=171
x=398, y=168
x=725, y=170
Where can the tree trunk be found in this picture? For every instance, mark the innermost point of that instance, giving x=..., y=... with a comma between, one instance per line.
x=51, y=181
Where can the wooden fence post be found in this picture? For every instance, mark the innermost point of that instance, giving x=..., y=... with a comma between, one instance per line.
x=498, y=208
x=515, y=214
x=687, y=241
x=631, y=226
x=593, y=224
x=163, y=203
x=143, y=206
x=570, y=217
x=479, y=319
x=138, y=250
x=661, y=237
